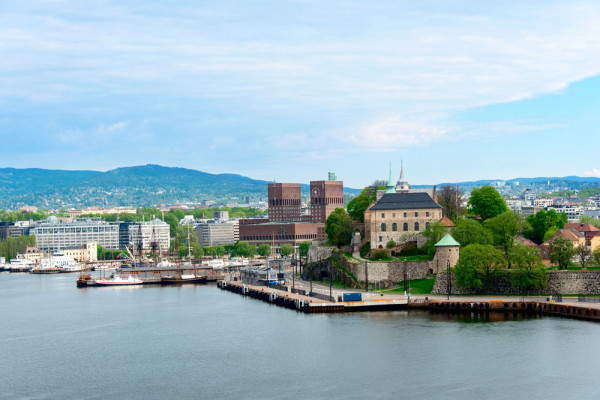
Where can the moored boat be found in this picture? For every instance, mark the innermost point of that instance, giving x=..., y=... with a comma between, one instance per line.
x=182, y=279
x=119, y=280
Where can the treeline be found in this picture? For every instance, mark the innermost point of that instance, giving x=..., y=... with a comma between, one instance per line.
x=10, y=247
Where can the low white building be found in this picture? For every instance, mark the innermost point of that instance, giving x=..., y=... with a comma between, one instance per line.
x=218, y=233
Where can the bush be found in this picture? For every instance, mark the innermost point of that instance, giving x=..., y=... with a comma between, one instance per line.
x=390, y=245
x=379, y=254
x=365, y=250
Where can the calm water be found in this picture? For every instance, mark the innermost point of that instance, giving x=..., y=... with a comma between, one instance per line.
x=60, y=342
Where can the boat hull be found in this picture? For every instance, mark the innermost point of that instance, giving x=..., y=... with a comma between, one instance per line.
x=167, y=280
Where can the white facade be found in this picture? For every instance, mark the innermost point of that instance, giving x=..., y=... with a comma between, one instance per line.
x=573, y=212
x=215, y=233
x=53, y=235
x=146, y=233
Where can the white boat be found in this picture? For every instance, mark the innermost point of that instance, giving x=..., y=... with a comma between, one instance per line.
x=119, y=280
x=20, y=264
x=105, y=267
x=60, y=261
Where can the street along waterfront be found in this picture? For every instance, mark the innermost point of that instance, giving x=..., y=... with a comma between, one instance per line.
x=200, y=342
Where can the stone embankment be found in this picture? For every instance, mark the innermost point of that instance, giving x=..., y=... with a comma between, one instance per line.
x=559, y=282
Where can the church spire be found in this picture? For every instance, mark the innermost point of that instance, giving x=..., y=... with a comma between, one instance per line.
x=390, y=186
x=402, y=184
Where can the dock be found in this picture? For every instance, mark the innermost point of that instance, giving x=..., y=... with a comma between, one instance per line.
x=302, y=302
x=585, y=311
x=309, y=304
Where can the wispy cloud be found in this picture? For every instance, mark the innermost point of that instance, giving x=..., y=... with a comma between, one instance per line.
x=251, y=78
x=594, y=172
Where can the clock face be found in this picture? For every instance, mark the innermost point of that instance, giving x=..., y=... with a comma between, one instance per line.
x=315, y=192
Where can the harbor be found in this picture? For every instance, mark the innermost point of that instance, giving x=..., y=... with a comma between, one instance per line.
x=302, y=301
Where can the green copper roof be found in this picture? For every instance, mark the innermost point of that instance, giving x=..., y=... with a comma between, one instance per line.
x=447, y=241
x=391, y=188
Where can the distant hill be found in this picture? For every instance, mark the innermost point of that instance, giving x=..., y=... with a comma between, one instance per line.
x=135, y=186
x=573, y=182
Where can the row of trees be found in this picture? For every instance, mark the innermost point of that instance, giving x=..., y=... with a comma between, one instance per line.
x=480, y=265
x=10, y=247
x=245, y=249
x=487, y=203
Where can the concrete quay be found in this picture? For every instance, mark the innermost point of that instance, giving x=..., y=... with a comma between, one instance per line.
x=569, y=307
x=585, y=311
x=308, y=304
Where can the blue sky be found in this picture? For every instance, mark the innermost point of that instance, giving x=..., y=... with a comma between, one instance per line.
x=289, y=90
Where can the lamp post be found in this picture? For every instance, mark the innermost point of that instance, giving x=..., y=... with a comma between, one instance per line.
x=293, y=272
x=448, y=277
x=330, y=280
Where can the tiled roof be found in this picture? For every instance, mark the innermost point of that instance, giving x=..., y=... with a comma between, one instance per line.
x=525, y=241
x=447, y=222
x=405, y=201
x=570, y=234
x=581, y=227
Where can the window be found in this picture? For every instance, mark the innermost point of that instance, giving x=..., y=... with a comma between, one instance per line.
x=405, y=227
x=427, y=213
x=382, y=227
x=393, y=215
x=426, y=225
x=380, y=239
x=382, y=215
x=416, y=214
x=394, y=227
x=404, y=215
x=416, y=226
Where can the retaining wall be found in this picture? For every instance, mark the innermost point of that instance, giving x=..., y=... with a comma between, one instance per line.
x=559, y=282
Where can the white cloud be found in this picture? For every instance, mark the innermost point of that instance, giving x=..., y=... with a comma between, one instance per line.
x=594, y=172
x=376, y=76
x=394, y=134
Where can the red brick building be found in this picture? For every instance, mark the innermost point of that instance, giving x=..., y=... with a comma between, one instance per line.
x=284, y=202
x=286, y=224
x=325, y=197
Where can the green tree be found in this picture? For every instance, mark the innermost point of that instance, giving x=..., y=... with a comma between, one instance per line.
x=596, y=256
x=584, y=255
x=549, y=233
x=338, y=228
x=264, y=250
x=244, y=249
x=529, y=273
x=303, y=248
x=10, y=247
x=434, y=232
x=470, y=231
x=357, y=206
x=586, y=219
x=219, y=251
x=390, y=245
x=542, y=221
x=286, y=249
x=487, y=202
x=450, y=198
x=505, y=228
x=561, y=252
x=379, y=254
x=477, y=266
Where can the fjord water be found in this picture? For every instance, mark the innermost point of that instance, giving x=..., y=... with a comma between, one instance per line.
x=60, y=342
